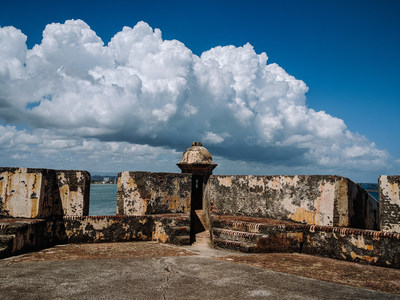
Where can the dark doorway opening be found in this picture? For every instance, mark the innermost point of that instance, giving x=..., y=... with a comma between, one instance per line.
x=197, y=223
x=197, y=192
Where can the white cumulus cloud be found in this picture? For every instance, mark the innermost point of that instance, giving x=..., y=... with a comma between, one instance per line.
x=72, y=92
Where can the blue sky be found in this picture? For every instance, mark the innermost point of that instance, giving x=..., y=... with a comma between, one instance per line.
x=346, y=52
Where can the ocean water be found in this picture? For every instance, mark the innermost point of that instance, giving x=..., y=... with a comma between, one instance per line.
x=103, y=199
x=374, y=194
x=371, y=188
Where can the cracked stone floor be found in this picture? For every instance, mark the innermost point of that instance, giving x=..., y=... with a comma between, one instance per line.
x=148, y=270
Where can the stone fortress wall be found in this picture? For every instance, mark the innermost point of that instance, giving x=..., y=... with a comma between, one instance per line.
x=315, y=200
x=323, y=215
x=42, y=207
x=389, y=203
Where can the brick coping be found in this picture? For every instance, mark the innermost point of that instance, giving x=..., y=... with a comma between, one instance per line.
x=310, y=227
x=158, y=216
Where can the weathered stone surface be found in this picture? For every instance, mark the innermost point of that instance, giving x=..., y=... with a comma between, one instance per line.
x=145, y=193
x=300, y=198
x=169, y=228
x=43, y=193
x=320, y=200
x=265, y=235
x=20, y=191
x=249, y=234
x=197, y=160
x=275, y=240
x=197, y=154
x=29, y=193
x=366, y=246
x=180, y=277
x=389, y=203
x=321, y=268
x=248, y=213
x=74, y=187
x=24, y=235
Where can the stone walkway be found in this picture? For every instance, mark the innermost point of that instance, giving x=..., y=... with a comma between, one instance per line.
x=148, y=270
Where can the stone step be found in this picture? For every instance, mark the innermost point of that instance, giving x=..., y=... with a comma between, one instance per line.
x=181, y=230
x=6, y=244
x=274, y=241
x=180, y=235
x=239, y=236
x=181, y=240
x=234, y=245
x=255, y=225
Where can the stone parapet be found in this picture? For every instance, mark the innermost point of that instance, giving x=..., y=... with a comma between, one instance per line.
x=389, y=203
x=74, y=188
x=29, y=193
x=25, y=235
x=168, y=228
x=43, y=193
x=264, y=235
x=319, y=200
x=146, y=193
x=364, y=246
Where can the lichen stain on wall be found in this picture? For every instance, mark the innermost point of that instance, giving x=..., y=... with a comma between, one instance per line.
x=359, y=242
x=138, y=204
x=283, y=199
x=139, y=198
x=65, y=196
x=389, y=203
x=20, y=192
x=34, y=206
x=225, y=181
x=256, y=184
x=296, y=196
x=175, y=204
x=304, y=216
x=130, y=196
x=324, y=204
x=102, y=229
x=394, y=228
x=342, y=206
x=145, y=193
x=363, y=257
x=159, y=233
x=390, y=190
x=71, y=186
x=275, y=183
